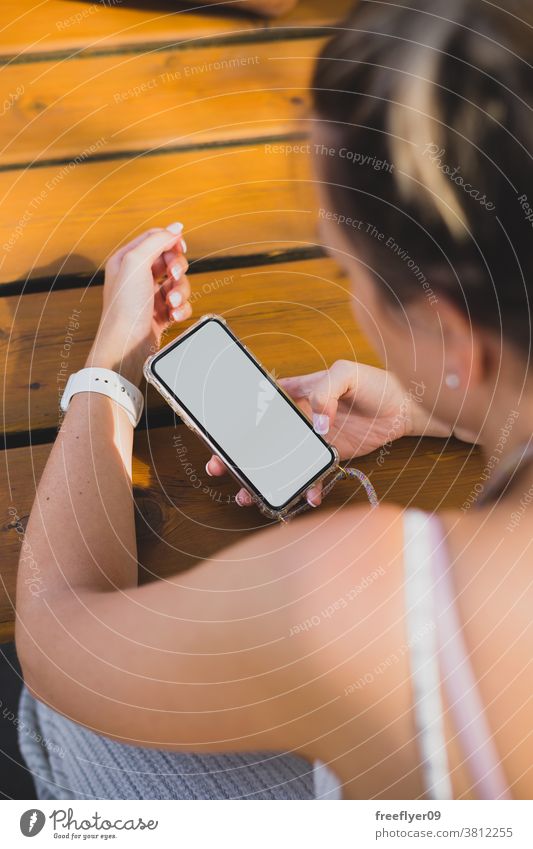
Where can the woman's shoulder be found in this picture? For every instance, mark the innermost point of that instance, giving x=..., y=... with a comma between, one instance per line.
x=348, y=639
x=347, y=572
x=356, y=534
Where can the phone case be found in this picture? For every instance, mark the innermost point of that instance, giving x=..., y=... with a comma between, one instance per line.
x=153, y=380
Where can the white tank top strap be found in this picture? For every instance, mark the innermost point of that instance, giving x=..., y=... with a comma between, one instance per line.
x=422, y=642
x=460, y=684
x=438, y=652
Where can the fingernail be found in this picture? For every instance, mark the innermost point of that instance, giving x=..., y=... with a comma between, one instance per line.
x=175, y=299
x=320, y=423
x=184, y=246
x=243, y=499
x=311, y=495
x=177, y=315
x=175, y=228
x=207, y=469
x=176, y=272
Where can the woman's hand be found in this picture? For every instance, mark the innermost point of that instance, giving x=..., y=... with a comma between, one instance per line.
x=358, y=408
x=145, y=289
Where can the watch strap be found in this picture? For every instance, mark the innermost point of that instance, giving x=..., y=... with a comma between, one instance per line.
x=105, y=382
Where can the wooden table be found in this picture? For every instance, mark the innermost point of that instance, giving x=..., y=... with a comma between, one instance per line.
x=115, y=119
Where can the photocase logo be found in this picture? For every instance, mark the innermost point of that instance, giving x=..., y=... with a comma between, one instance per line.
x=32, y=822
x=266, y=392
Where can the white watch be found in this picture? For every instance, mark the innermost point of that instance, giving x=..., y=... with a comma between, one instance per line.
x=105, y=382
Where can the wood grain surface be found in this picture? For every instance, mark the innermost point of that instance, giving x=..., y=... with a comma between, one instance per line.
x=33, y=27
x=147, y=101
x=234, y=200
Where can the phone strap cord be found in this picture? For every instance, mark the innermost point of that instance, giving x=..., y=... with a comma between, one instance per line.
x=342, y=473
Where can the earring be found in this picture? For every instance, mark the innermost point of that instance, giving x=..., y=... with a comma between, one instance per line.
x=452, y=380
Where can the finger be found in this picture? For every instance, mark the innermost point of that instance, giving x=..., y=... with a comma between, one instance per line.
x=168, y=260
x=215, y=466
x=314, y=495
x=160, y=269
x=243, y=498
x=169, y=257
x=177, y=266
x=178, y=295
x=179, y=250
x=324, y=396
x=181, y=313
x=302, y=385
x=321, y=390
x=173, y=277
x=170, y=296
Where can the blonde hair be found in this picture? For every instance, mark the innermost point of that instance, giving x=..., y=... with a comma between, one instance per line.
x=442, y=96
x=414, y=121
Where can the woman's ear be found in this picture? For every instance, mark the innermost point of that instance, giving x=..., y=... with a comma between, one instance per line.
x=445, y=336
x=464, y=347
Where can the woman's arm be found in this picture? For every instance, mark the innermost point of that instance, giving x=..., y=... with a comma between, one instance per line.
x=81, y=529
x=122, y=659
x=82, y=523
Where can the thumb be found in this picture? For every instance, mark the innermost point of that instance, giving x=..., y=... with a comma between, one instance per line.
x=315, y=389
x=324, y=396
x=151, y=248
x=324, y=408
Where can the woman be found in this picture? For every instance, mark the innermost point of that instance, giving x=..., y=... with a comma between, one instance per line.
x=417, y=684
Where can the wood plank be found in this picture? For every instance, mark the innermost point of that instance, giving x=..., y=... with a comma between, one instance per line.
x=234, y=200
x=296, y=317
x=144, y=101
x=7, y=632
x=183, y=516
x=35, y=26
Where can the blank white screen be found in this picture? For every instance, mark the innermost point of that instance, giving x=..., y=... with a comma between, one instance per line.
x=243, y=412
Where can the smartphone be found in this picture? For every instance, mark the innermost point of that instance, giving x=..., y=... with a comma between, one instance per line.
x=221, y=391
